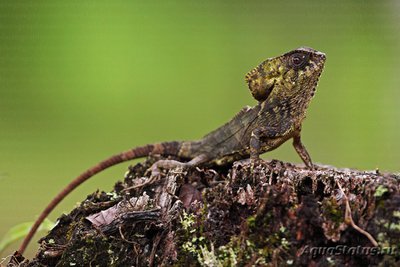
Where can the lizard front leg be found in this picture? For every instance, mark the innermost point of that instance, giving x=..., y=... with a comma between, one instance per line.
x=255, y=145
x=255, y=142
x=301, y=150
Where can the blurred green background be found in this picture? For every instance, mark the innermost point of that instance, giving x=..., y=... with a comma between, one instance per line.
x=81, y=80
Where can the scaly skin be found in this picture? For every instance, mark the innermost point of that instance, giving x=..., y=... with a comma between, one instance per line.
x=283, y=85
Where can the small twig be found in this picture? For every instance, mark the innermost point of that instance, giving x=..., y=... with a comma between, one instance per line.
x=349, y=219
x=154, y=249
x=123, y=237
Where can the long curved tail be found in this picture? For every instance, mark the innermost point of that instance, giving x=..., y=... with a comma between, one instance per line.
x=166, y=148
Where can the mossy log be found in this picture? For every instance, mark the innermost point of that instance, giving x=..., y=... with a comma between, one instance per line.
x=274, y=214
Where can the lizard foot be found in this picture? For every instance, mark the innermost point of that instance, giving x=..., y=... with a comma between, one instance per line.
x=250, y=162
x=153, y=173
x=155, y=169
x=254, y=162
x=243, y=162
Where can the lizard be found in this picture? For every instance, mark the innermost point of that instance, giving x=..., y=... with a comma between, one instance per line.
x=282, y=85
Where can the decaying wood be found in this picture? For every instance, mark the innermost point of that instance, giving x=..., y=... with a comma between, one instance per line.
x=277, y=214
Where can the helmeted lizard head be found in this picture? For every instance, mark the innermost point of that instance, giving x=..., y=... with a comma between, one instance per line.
x=293, y=73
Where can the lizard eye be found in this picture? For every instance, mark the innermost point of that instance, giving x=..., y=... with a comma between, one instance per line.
x=298, y=60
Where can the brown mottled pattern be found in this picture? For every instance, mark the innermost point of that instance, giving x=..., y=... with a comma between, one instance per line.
x=283, y=85
x=285, y=92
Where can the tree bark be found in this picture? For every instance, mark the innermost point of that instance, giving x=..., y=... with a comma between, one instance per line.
x=276, y=214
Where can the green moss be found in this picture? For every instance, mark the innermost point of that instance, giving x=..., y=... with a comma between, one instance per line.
x=332, y=210
x=396, y=214
x=392, y=226
x=380, y=190
x=251, y=221
x=187, y=221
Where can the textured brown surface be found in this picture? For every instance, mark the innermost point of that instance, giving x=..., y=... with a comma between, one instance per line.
x=271, y=216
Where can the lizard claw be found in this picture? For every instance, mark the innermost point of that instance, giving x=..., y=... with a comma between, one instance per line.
x=254, y=162
x=311, y=167
x=153, y=171
x=151, y=174
x=243, y=162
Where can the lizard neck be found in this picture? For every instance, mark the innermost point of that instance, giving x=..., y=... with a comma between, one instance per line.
x=298, y=106
x=291, y=100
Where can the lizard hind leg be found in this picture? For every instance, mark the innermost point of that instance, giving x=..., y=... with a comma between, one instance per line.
x=170, y=164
